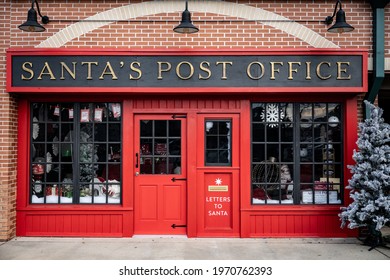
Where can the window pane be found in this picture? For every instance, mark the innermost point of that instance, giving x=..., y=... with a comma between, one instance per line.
x=160, y=128
x=258, y=152
x=146, y=128
x=100, y=130
x=258, y=133
x=175, y=147
x=287, y=133
x=174, y=129
x=272, y=133
x=212, y=142
x=258, y=110
x=114, y=132
x=287, y=152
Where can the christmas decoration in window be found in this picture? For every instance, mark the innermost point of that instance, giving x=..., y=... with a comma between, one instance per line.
x=272, y=115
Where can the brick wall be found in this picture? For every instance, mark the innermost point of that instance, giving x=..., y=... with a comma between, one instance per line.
x=212, y=34
x=8, y=135
x=141, y=33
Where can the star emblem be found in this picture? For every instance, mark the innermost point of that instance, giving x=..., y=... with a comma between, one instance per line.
x=218, y=181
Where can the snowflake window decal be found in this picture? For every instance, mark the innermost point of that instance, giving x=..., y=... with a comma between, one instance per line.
x=272, y=114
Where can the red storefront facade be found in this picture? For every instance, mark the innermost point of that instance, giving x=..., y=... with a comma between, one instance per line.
x=187, y=156
x=113, y=125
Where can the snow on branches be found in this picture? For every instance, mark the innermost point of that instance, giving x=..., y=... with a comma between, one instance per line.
x=370, y=182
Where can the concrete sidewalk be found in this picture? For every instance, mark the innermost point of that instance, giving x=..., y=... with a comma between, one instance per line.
x=183, y=248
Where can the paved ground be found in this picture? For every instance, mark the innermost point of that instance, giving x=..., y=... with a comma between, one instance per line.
x=182, y=248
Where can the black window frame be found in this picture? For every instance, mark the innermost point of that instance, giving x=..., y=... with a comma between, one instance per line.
x=296, y=158
x=75, y=144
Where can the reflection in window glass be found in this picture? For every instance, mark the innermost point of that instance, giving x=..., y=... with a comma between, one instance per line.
x=218, y=142
x=296, y=163
x=76, y=153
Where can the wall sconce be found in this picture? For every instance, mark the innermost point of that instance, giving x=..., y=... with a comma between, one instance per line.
x=186, y=25
x=341, y=25
x=32, y=24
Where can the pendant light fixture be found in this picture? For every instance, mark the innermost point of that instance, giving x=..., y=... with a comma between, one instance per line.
x=341, y=25
x=32, y=25
x=186, y=26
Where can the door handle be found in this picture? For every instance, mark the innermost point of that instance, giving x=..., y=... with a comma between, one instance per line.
x=178, y=179
x=136, y=160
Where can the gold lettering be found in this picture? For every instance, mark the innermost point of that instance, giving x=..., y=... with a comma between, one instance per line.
x=308, y=71
x=47, y=68
x=292, y=70
x=341, y=70
x=72, y=74
x=25, y=68
x=261, y=68
x=178, y=70
x=160, y=69
x=224, y=63
x=273, y=70
x=205, y=69
x=110, y=72
x=89, y=64
x=319, y=71
x=135, y=69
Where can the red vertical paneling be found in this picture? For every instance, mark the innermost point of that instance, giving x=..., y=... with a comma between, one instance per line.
x=192, y=180
x=275, y=225
x=282, y=221
x=290, y=224
x=266, y=220
x=23, y=169
x=67, y=222
x=74, y=224
x=82, y=222
x=306, y=226
x=285, y=223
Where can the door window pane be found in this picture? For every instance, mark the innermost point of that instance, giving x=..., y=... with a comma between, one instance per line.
x=218, y=142
x=160, y=147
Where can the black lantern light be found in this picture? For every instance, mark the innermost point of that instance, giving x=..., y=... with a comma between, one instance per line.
x=186, y=25
x=32, y=25
x=341, y=25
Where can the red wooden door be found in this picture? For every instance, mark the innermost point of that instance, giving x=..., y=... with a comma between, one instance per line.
x=218, y=175
x=160, y=175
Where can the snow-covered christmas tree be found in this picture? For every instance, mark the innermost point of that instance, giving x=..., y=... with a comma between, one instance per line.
x=370, y=182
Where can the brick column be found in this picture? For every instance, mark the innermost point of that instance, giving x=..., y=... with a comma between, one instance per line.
x=8, y=136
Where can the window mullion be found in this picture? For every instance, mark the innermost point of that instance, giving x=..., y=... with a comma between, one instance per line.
x=296, y=154
x=76, y=154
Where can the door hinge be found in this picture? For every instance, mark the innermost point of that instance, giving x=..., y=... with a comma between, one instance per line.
x=174, y=116
x=178, y=179
x=175, y=226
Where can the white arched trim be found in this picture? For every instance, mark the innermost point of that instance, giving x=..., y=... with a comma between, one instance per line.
x=133, y=11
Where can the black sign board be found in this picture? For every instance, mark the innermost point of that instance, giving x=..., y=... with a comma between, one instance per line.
x=181, y=71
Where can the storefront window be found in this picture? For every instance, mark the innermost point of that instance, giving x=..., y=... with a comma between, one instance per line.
x=296, y=153
x=76, y=153
x=218, y=142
